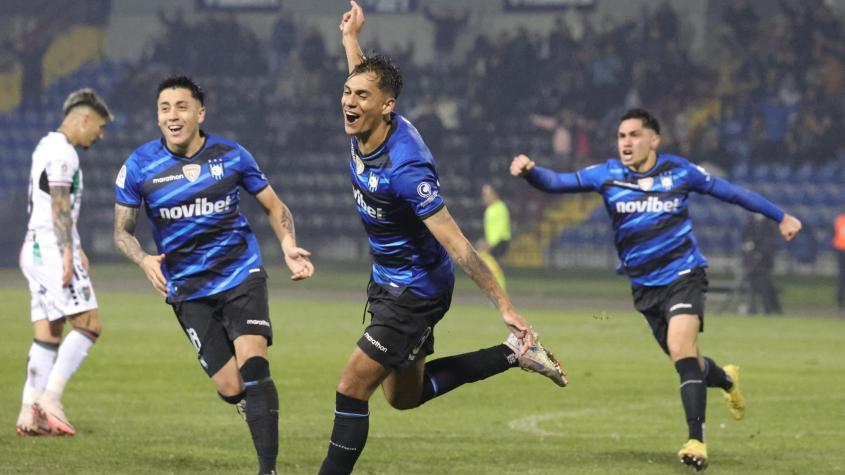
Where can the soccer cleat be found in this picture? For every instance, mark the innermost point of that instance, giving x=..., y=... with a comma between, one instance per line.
x=538, y=360
x=733, y=398
x=694, y=454
x=30, y=423
x=241, y=408
x=53, y=413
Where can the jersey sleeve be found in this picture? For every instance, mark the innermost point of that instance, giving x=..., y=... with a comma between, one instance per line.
x=553, y=182
x=417, y=184
x=699, y=179
x=592, y=177
x=252, y=179
x=127, y=185
x=61, y=168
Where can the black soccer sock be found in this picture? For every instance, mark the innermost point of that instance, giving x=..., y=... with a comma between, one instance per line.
x=349, y=435
x=716, y=376
x=262, y=411
x=693, y=395
x=445, y=374
x=233, y=399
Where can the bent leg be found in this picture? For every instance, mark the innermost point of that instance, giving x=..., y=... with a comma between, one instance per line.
x=445, y=374
x=360, y=378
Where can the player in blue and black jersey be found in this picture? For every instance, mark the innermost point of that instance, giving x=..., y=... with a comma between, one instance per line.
x=413, y=240
x=208, y=263
x=646, y=195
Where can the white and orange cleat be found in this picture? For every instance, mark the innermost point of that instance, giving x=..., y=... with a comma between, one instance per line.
x=30, y=423
x=53, y=413
x=538, y=360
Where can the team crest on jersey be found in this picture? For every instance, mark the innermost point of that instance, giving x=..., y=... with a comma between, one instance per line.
x=645, y=183
x=216, y=168
x=359, y=164
x=666, y=180
x=121, y=177
x=191, y=171
x=372, y=182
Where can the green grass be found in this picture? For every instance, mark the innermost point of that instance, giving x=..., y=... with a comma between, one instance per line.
x=142, y=405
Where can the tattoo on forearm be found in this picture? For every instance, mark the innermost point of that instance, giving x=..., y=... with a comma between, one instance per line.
x=287, y=221
x=62, y=217
x=124, y=233
x=477, y=270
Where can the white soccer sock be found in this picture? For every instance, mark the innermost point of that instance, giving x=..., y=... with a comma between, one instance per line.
x=40, y=362
x=72, y=353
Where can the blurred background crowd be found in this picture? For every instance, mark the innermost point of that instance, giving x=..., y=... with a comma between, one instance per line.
x=752, y=90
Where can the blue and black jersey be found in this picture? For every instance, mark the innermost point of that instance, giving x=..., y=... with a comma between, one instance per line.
x=653, y=230
x=193, y=207
x=395, y=187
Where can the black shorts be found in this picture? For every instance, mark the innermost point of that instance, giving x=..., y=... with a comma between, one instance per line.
x=213, y=323
x=684, y=296
x=402, y=325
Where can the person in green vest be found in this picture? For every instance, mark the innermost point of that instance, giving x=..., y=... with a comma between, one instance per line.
x=497, y=232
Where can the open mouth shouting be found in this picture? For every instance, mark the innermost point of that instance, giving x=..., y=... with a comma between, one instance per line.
x=351, y=118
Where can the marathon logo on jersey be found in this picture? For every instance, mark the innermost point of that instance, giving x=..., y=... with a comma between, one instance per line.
x=200, y=207
x=263, y=323
x=167, y=179
x=375, y=342
x=215, y=166
x=651, y=205
x=377, y=213
x=192, y=171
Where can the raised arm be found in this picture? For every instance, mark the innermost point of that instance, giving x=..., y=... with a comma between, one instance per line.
x=124, y=238
x=545, y=179
x=281, y=221
x=449, y=235
x=350, y=25
x=726, y=191
x=63, y=227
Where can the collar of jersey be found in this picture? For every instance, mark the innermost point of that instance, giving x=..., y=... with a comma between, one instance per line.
x=650, y=170
x=182, y=157
x=378, y=151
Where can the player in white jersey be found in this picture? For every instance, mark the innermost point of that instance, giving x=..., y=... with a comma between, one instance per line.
x=53, y=261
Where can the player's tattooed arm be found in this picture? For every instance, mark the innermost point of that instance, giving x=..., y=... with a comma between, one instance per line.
x=446, y=231
x=281, y=220
x=62, y=218
x=124, y=238
x=124, y=233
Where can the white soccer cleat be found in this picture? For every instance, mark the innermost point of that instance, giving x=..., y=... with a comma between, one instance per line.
x=53, y=413
x=30, y=423
x=537, y=359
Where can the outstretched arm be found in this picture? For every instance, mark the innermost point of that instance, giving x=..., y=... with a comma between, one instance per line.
x=350, y=25
x=448, y=234
x=727, y=191
x=281, y=221
x=124, y=238
x=545, y=179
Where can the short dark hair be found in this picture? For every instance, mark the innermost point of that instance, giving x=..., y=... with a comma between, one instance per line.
x=389, y=77
x=649, y=121
x=88, y=98
x=183, y=82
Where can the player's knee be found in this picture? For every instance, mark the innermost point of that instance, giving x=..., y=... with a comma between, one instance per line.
x=88, y=323
x=255, y=369
x=229, y=388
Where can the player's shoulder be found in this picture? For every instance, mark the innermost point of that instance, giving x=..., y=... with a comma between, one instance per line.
x=55, y=145
x=406, y=146
x=676, y=160
x=147, y=151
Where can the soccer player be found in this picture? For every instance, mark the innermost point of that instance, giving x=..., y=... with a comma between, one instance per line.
x=208, y=264
x=645, y=194
x=497, y=232
x=56, y=267
x=411, y=236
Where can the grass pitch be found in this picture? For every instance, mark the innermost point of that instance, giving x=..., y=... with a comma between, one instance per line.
x=142, y=405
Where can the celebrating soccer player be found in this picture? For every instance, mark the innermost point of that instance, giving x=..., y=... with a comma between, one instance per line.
x=646, y=194
x=208, y=264
x=56, y=267
x=412, y=237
